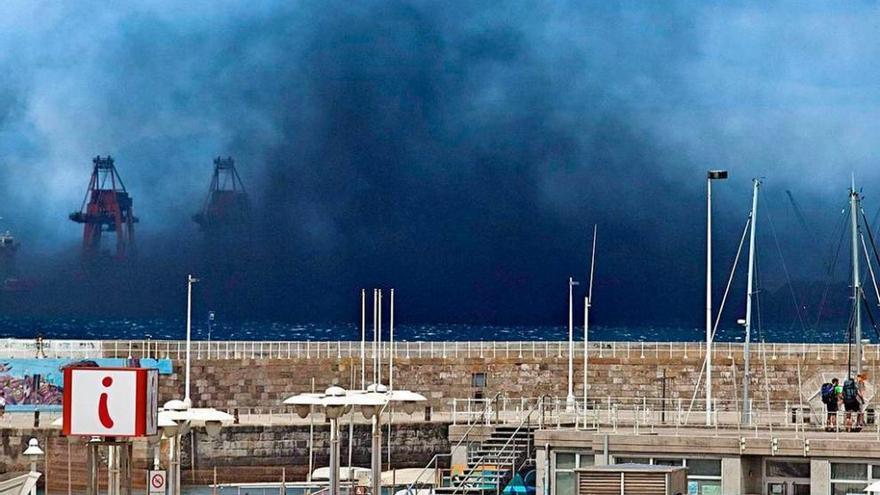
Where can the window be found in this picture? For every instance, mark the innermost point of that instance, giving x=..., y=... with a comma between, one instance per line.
x=852, y=477
x=788, y=469
x=704, y=467
x=478, y=380
x=564, y=465
x=704, y=475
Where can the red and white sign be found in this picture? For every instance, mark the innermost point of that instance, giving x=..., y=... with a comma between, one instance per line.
x=111, y=402
x=156, y=482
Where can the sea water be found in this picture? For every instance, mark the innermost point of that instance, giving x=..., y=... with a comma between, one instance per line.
x=138, y=329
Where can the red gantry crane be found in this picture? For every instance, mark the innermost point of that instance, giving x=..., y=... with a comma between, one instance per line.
x=107, y=207
x=227, y=206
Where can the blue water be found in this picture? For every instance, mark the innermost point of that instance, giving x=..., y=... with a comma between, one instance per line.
x=77, y=328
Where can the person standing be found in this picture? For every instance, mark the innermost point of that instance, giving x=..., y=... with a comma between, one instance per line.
x=861, y=383
x=851, y=402
x=831, y=397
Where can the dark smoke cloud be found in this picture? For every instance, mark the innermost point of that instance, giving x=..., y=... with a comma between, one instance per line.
x=460, y=151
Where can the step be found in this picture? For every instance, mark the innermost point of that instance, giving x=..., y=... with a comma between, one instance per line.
x=503, y=440
x=501, y=453
x=447, y=490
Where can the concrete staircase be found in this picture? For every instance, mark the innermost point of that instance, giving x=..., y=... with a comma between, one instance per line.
x=492, y=464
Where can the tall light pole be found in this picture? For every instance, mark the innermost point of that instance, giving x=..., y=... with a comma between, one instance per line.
x=190, y=280
x=588, y=300
x=569, y=401
x=363, y=338
x=712, y=175
x=180, y=414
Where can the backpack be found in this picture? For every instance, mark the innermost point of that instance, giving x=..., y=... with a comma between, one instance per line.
x=827, y=392
x=850, y=392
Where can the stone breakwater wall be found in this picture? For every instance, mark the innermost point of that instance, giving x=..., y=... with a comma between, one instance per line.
x=667, y=371
x=239, y=454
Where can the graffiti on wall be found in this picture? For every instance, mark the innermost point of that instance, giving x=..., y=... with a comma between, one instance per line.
x=38, y=384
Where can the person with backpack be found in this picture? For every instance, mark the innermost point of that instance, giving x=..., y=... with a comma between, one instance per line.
x=851, y=403
x=830, y=397
x=861, y=380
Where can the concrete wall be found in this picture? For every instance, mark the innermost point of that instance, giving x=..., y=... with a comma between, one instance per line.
x=240, y=453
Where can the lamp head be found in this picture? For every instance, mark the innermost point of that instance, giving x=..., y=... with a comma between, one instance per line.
x=175, y=405
x=717, y=174
x=33, y=449
x=334, y=411
x=212, y=428
x=377, y=388
x=334, y=391
x=368, y=411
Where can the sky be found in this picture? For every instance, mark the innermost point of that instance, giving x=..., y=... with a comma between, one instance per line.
x=458, y=151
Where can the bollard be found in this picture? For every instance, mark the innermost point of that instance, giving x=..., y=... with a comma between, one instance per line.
x=36, y=419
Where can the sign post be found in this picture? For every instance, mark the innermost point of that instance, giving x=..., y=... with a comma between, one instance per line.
x=115, y=405
x=156, y=482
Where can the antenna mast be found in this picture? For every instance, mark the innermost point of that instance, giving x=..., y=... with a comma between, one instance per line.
x=857, y=285
x=746, y=416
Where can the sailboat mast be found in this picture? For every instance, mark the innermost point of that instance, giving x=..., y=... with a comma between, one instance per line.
x=857, y=285
x=746, y=417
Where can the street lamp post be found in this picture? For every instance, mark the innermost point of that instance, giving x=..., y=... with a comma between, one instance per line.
x=33, y=452
x=190, y=280
x=569, y=401
x=336, y=401
x=178, y=416
x=711, y=175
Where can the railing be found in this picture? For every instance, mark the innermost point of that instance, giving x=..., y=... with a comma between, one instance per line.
x=480, y=463
x=649, y=415
x=435, y=461
x=201, y=349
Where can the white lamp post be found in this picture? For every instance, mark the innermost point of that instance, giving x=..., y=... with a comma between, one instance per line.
x=33, y=452
x=178, y=416
x=336, y=401
x=711, y=175
x=190, y=280
x=569, y=401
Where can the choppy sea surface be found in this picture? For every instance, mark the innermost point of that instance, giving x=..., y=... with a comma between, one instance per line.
x=94, y=328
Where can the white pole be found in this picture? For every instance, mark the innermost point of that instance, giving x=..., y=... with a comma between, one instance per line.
x=587, y=302
x=376, y=455
x=391, y=344
x=746, y=419
x=363, y=339
x=375, y=333
x=857, y=284
x=379, y=332
x=586, y=350
x=709, y=301
x=190, y=280
x=570, y=398
x=334, y=457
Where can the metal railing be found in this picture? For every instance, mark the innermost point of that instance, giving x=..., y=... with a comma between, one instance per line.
x=312, y=349
x=650, y=414
x=480, y=464
x=435, y=461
